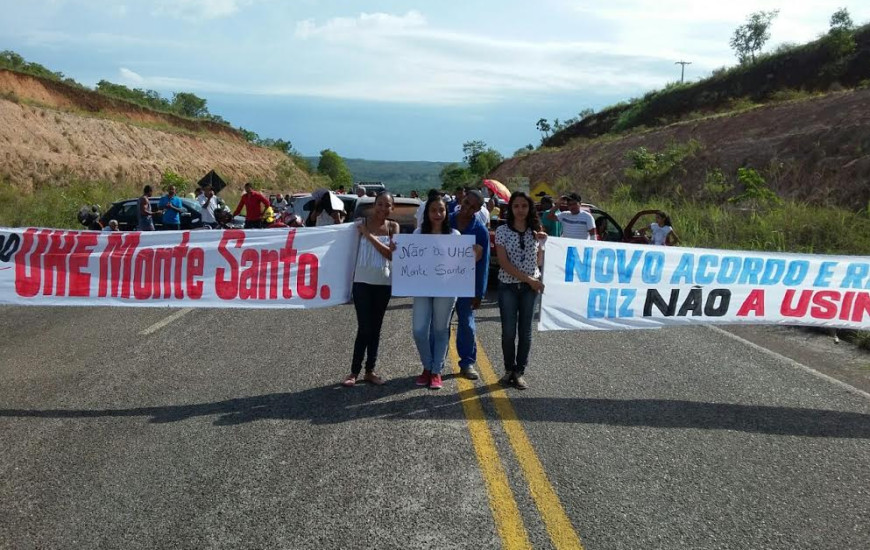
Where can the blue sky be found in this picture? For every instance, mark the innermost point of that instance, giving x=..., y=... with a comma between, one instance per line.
x=392, y=80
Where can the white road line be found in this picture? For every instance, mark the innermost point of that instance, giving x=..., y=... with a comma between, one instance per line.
x=160, y=324
x=792, y=362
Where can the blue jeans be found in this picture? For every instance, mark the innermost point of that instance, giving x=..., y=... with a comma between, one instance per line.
x=466, y=346
x=432, y=330
x=516, y=307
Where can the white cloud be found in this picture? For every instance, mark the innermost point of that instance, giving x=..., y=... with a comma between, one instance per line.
x=131, y=77
x=403, y=59
x=199, y=9
x=343, y=28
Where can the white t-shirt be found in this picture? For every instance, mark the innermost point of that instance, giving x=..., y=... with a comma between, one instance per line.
x=208, y=208
x=483, y=215
x=576, y=226
x=325, y=218
x=660, y=233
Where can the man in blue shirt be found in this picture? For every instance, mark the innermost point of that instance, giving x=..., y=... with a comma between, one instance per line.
x=172, y=209
x=467, y=223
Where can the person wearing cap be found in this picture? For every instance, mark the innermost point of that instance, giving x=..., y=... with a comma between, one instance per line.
x=465, y=221
x=576, y=223
x=254, y=203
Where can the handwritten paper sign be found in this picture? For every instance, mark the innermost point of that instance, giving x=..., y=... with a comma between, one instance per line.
x=433, y=265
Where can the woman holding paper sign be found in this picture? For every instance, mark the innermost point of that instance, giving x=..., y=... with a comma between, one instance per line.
x=432, y=314
x=519, y=283
x=372, y=287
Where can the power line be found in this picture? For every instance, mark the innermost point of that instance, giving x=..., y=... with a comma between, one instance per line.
x=682, y=68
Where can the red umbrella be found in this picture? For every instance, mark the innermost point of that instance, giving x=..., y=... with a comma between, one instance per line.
x=497, y=188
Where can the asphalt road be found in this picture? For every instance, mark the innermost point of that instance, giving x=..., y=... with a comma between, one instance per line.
x=228, y=429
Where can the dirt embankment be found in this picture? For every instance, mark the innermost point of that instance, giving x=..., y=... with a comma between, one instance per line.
x=815, y=150
x=51, y=132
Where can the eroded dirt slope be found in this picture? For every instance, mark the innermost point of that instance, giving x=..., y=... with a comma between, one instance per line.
x=816, y=150
x=51, y=132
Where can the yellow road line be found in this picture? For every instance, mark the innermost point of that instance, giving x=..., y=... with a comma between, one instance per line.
x=504, y=508
x=558, y=525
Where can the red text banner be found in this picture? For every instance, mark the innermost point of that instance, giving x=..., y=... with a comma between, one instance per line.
x=593, y=285
x=265, y=268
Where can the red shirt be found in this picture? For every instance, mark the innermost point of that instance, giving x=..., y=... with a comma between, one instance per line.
x=252, y=202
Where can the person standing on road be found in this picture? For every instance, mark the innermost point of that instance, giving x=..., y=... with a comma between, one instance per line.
x=209, y=204
x=519, y=255
x=467, y=223
x=172, y=208
x=431, y=314
x=144, y=215
x=372, y=287
x=254, y=203
x=576, y=222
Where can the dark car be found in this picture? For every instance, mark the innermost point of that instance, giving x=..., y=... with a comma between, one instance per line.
x=125, y=212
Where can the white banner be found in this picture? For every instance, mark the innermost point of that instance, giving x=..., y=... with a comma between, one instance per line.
x=596, y=285
x=264, y=268
x=433, y=265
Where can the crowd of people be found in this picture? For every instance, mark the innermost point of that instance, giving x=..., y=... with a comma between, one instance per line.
x=519, y=247
x=519, y=273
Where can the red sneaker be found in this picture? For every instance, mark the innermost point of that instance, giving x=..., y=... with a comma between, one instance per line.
x=435, y=382
x=423, y=379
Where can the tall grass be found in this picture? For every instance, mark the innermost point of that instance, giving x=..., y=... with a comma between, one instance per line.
x=792, y=227
x=57, y=206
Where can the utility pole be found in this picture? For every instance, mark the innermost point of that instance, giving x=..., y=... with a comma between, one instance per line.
x=682, y=68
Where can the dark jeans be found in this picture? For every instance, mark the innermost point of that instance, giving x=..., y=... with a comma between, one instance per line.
x=516, y=307
x=370, y=302
x=253, y=224
x=171, y=227
x=466, y=346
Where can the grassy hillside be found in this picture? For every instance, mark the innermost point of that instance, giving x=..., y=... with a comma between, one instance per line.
x=398, y=176
x=792, y=71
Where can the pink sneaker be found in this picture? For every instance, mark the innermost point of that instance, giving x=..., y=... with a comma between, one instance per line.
x=423, y=379
x=435, y=382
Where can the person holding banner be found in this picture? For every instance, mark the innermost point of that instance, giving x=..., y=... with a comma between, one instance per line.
x=431, y=315
x=519, y=283
x=467, y=223
x=372, y=287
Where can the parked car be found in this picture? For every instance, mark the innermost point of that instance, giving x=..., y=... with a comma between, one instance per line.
x=404, y=211
x=301, y=205
x=371, y=187
x=125, y=212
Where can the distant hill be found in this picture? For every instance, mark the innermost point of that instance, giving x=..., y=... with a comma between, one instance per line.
x=398, y=176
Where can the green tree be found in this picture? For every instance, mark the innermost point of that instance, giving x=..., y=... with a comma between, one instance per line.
x=189, y=105
x=481, y=159
x=453, y=176
x=841, y=37
x=333, y=166
x=544, y=127
x=748, y=39
x=842, y=20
